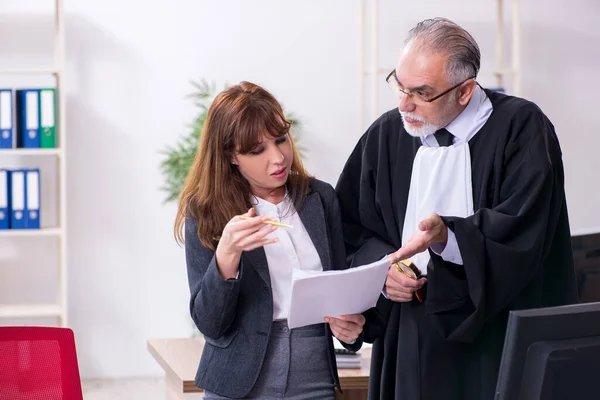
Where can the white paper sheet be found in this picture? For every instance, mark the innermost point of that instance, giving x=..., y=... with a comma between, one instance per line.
x=317, y=294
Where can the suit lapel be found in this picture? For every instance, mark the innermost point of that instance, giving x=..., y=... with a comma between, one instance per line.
x=258, y=259
x=312, y=216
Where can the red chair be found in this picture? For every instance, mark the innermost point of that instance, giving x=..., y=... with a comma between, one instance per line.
x=38, y=363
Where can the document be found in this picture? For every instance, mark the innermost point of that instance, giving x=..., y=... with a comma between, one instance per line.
x=318, y=294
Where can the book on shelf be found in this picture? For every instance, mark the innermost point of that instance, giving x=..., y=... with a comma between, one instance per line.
x=19, y=199
x=34, y=123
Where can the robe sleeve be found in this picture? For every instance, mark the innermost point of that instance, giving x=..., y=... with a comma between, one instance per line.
x=363, y=226
x=505, y=247
x=362, y=222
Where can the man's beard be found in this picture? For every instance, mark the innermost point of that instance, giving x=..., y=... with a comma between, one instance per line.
x=425, y=129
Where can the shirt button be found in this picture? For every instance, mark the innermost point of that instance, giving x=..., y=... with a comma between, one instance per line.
x=286, y=329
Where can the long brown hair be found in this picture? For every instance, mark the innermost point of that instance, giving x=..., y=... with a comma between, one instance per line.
x=214, y=190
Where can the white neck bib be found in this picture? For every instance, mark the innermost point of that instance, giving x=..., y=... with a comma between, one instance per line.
x=441, y=184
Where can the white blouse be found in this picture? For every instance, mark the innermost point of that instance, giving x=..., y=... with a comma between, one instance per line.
x=295, y=250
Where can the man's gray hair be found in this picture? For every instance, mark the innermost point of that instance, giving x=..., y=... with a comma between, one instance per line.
x=440, y=35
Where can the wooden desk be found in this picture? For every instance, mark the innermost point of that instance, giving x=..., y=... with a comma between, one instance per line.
x=179, y=358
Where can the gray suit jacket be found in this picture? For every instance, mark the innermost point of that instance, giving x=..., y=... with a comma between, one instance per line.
x=235, y=316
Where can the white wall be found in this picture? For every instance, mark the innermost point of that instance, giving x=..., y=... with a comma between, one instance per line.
x=129, y=67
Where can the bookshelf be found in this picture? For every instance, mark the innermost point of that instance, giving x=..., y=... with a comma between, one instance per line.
x=30, y=152
x=31, y=310
x=57, y=308
x=16, y=233
x=26, y=71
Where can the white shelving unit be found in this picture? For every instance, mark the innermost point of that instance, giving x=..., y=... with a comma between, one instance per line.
x=26, y=71
x=376, y=72
x=58, y=308
x=57, y=232
x=31, y=152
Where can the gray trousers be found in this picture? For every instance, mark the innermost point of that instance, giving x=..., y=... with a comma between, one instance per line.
x=296, y=366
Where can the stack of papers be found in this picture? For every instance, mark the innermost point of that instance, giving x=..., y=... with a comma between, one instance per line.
x=320, y=294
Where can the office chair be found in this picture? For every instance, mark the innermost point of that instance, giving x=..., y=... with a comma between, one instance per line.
x=38, y=363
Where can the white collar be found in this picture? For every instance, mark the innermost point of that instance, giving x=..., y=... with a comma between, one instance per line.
x=469, y=121
x=264, y=207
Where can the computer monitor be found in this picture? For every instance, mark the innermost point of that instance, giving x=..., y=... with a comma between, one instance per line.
x=551, y=354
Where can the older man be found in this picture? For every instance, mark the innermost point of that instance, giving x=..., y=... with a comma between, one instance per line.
x=465, y=186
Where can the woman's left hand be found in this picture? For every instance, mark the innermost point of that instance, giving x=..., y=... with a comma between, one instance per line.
x=346, y=328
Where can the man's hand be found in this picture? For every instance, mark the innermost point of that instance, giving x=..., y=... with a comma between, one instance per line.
x=431, y=230
x=347, y=327
x=400, y=287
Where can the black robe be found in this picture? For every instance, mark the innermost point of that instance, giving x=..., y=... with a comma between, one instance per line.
x=516, y=251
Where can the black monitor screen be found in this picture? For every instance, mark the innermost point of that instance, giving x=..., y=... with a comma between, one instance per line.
x=551, y=354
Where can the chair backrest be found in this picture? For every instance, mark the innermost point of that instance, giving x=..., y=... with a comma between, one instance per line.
x=38, y=363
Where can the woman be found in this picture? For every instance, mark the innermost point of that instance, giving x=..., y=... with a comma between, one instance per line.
x=247, y=172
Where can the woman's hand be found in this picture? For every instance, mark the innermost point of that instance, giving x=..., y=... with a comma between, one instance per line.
x=241, y=235
x=346, y=328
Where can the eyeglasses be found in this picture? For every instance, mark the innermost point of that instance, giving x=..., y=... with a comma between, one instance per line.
x=418, y=96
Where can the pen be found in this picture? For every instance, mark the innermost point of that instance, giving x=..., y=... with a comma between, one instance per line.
x=270, y=222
